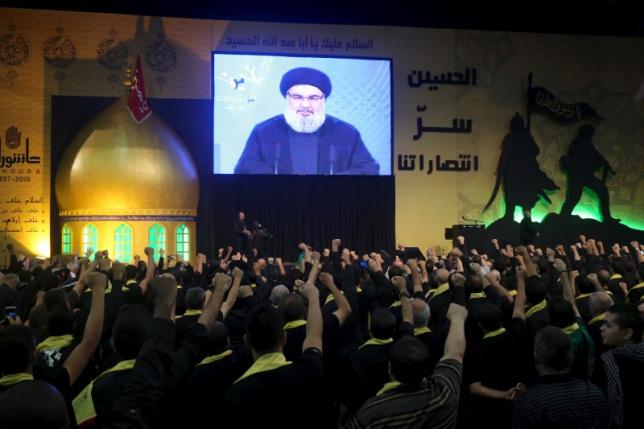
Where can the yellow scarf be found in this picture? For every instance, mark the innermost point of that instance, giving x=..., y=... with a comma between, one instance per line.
x=387, y=387
x=294, y=324
x=53, y=343
x=512, y=292
x=215, y=358
x=439, y=290
x=583, y=295
x=83, y=404
x=597, y=318
x=476, y=295
x=395, y=304
x=638, y=286
x=537, y=307
x=616, y=276
x=377, y=342
x=422, y=330
x=11, y=379
x=267, y=362
x=571, y=329
x=494, y=333
x=330, y=298
x=189, y=313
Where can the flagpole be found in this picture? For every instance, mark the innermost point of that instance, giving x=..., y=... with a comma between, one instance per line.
x=529, y=108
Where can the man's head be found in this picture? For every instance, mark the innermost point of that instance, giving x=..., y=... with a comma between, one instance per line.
x=11, y=280
x=409, y=360
x=17, y=349
x=599, y=303
x=488, y=316
x=130, y=330
x=584, y=285
x=277, y=294
x=622, y=326
x=383, y=324
x=264, y=330
x=44, y=409
x=60, y=321
x=54, y=298
x=195, y=298
x=561, y=313
x=242, y=216
x=535, y=290
x=552, y=351
x=292, y=307
x=305, y=90
x=421, y=313
x=527, y=213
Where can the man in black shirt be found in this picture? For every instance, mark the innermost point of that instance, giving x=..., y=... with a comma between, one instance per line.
x=242, y=234
x=558, y=399
x=272, y=382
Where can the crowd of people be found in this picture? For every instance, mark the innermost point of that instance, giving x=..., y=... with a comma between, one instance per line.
x=523, y=337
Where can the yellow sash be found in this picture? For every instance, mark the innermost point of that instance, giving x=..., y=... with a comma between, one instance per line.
x=537, y=307
x=395, y=304
x=215, y=358
x=494, y=333
x=267, y=362
x=616, y=276
x=597, y=318
x=53, y=343
x=583, y=295
x=294, y=324
x=512, y=292
x=476, y=295
x=421, y=331
x=377, y=342
x=638, y=286
x=439, y=290
x=11, y=379
x=571, y=329
x=330, y=298
x=83, y=404
x=189, y=313
x=387, y=387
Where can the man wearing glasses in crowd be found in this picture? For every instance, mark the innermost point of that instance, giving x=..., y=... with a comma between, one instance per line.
x=304, y=139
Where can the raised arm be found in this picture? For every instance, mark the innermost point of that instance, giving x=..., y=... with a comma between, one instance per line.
x=209, y=314
x=82, y=353
x=149, y=272
x=455, y=342
x=314, y=317
x=405, y=303
x=238, y=274
x=519, y=301
x=344, y=308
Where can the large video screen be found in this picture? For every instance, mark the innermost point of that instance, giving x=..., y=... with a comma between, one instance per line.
x=279, y=114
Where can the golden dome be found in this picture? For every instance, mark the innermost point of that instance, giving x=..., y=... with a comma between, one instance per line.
x=115, y=166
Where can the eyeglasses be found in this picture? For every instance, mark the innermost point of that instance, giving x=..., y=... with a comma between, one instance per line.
x=300, y=98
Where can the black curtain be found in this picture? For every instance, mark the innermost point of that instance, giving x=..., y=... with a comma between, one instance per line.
x=313, y=209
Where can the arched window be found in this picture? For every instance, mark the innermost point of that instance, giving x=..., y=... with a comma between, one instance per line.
x=183, y=242
x=123, y=243
x=156, y=238
x=90, y=239
x=67, y=240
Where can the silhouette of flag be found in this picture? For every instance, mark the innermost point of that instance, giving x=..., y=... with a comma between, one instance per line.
x=543, y=101
x=137, y=102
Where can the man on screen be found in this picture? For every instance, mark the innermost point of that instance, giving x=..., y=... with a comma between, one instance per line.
x=304, y=140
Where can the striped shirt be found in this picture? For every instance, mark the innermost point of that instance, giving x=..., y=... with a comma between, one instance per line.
x=561, y=401
x=434, y=405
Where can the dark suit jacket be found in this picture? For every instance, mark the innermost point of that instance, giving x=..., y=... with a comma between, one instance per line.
x=339, y=144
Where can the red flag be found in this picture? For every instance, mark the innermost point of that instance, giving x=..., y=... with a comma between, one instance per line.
x=137, y=102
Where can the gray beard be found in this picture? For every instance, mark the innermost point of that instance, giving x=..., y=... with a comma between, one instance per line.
x=305, y=124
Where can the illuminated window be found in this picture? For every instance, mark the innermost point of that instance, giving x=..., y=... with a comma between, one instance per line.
x=67, y=240
x=123, y=243
x=183, y=242
x=90, y=239
x=156, y=238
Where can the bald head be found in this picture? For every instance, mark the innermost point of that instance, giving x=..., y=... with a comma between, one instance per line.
x=277, y=294
x=421, y=313
x=442, y=275
x=599, y=303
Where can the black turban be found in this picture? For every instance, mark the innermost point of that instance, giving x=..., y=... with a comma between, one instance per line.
x=305, y=76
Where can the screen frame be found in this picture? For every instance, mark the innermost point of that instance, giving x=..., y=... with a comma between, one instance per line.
x=214, y=52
